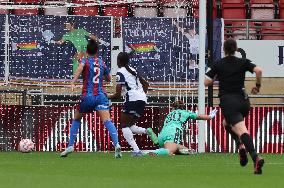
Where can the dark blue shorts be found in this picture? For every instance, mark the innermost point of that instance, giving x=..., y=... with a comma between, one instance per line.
x=135, y=108
x=93, y=103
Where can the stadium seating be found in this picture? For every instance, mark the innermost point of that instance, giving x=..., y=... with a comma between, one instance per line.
x=116, y=10
x=174, y=9
x=28, y=1
x=30, y=11
x=272, y=31
x=85, y=10
x=148, y=10
x=239, y=30
x=234, y=9
x=262, y=9
x=281, y=9
x=33, y=11
x=60, y=10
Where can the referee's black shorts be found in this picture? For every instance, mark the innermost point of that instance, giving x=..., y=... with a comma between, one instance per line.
x=234, y=108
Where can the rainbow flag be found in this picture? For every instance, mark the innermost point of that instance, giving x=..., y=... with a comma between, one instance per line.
x=143, y=48
x=27, y=45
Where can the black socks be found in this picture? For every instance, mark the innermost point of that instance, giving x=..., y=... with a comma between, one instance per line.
x=248, y=142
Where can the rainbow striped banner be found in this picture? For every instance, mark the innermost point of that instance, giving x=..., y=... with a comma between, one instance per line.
x=27, y=45
x=143, y=48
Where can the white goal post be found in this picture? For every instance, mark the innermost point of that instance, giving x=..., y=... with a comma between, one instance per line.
x=201, y=87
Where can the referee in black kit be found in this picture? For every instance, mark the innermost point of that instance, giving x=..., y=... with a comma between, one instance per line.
x=234, y=102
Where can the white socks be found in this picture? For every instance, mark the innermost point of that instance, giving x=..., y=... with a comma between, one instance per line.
x=137, y=130
x=128, y=135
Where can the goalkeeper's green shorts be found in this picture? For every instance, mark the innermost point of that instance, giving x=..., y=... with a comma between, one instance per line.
x=171, y=135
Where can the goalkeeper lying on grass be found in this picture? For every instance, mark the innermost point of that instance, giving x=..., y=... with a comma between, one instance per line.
x=170, y=136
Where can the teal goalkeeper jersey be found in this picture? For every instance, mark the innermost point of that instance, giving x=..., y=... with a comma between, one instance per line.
x=176, y=119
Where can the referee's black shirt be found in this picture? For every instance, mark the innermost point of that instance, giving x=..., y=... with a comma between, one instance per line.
x=230, y=71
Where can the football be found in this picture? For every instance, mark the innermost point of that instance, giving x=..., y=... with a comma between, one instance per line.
x=26, y=146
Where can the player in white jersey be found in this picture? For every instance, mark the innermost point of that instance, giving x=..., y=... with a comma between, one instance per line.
x=133, y=87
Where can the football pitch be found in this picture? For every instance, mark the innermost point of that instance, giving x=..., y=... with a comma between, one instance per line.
x=100, y=170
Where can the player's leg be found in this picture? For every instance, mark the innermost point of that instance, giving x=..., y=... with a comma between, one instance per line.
x=149, y=131
x=73, y=133
x=242, y=150
x=136, y=108
x=169, y=140
x=105, y=117
x=102, y=108
x=170, y=148
x=241, y=130
x=126, y=120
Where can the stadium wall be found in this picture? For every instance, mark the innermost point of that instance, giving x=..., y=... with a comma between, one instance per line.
x=49, y=128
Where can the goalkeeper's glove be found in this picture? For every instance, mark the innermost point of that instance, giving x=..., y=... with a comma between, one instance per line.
x=213, y=113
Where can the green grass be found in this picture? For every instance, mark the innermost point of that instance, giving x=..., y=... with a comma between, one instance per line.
x=100, y=170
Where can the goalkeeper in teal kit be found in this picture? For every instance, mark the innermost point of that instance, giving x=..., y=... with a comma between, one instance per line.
x=170, y=135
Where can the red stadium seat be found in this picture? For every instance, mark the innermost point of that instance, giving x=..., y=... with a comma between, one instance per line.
x=83, y=2
x=86, y=11
x=261, y=1
x=272, y=30
x=116, y=10
x=281, y=9
x=233, y=9
x=171, y=1
x=262, y=9
x=28, y=1
x=33, y=11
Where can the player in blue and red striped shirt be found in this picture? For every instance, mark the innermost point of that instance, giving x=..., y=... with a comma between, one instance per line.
x=94, y=97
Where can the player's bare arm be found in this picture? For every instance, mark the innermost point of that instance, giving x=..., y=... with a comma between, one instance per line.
x=117, y=93
x=207, y=117
x=258, y=74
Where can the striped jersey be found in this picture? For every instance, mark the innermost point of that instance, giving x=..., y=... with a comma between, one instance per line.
x=93, y=74
x=131, y=85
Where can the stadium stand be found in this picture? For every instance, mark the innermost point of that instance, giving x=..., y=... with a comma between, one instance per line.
x=281, y=9
x=33, y=11
x=85, y=10
x=234, y=9
x=28, y=1
x=116, y=10
x=29, y=11
x=60, y=10
x=146, y=10
x=262, y=9
x=172, y=9
x=238, y=30
x=272, y=30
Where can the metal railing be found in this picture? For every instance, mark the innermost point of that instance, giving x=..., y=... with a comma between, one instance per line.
x=252, y=28
x=39, y=98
